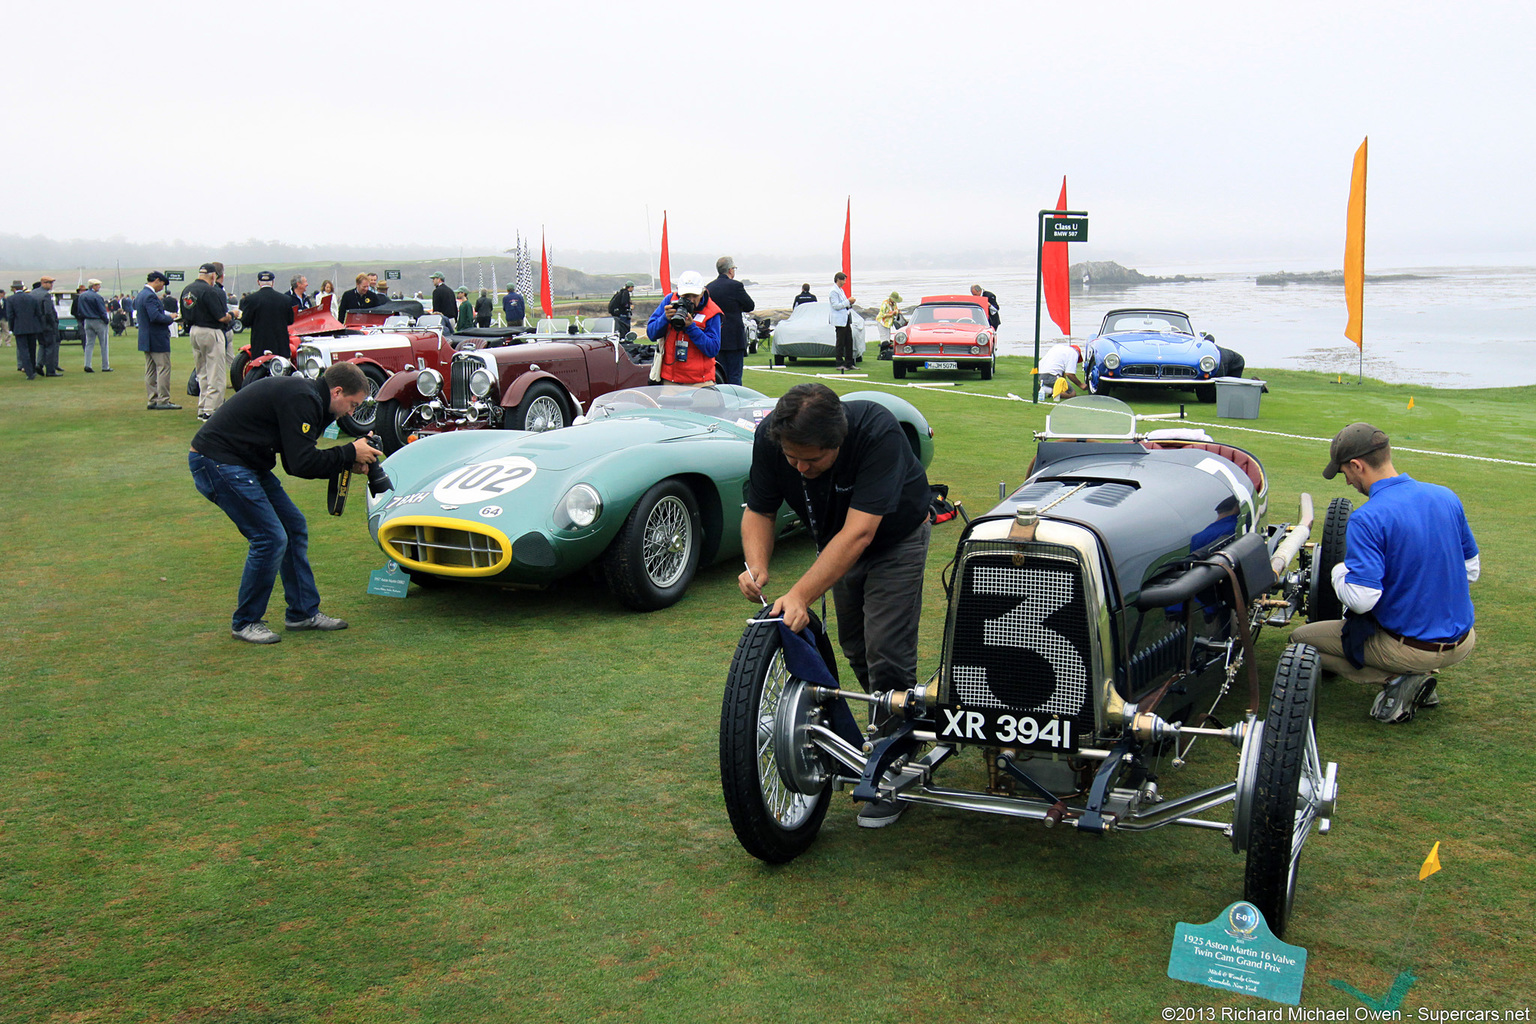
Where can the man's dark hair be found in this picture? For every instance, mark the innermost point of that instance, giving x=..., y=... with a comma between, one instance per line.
x=346, y=376
x=809, y=415
x=1378, y=458
x=805, y=287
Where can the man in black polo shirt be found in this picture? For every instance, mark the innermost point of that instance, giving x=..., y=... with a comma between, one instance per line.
x=232, y=459
x=848, y=470
x=205, y=307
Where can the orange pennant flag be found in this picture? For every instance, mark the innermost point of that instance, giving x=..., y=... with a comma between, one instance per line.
x=1354, y=251
x=1410, y=401
x=1431, y=863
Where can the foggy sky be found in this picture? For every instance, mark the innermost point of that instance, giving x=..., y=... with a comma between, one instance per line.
x=1190, y=132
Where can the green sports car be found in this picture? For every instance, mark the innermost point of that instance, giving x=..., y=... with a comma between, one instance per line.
x=649, y=485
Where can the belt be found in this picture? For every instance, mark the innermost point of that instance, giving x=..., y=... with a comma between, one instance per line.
x=1426, y=645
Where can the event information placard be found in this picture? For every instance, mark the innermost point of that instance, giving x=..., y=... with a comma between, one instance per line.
x=1237, y=952
x=389, y=581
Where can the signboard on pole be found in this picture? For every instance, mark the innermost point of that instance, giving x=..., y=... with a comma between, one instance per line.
x=391, y=275
x=1066, y=229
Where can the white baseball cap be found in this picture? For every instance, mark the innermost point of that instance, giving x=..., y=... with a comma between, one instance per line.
x=691, y=283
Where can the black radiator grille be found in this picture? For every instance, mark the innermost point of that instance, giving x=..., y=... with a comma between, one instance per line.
x=458, y=384
x=1019, y=636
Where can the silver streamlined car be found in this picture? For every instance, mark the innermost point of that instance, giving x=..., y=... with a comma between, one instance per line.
x=807, y=333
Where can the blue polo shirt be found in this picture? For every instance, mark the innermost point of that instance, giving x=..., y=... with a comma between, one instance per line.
x=1411, y=541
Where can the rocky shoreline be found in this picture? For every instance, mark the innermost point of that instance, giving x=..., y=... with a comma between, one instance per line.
x=1329, y=277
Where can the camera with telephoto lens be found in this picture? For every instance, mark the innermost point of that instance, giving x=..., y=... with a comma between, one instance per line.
x=378, y=481
x=681, y=311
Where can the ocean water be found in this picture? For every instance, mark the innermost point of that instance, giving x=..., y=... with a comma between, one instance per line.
x=1456, y=327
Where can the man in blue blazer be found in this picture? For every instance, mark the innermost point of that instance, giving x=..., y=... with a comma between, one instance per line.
x=155, y=341
x=732, y=298
x=27, y=323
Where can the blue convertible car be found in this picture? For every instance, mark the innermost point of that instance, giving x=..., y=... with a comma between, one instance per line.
x=1152, y=348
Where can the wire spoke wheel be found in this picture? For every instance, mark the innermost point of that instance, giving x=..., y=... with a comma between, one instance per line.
x=652, y=560
x=668, y=541
x=775, y=788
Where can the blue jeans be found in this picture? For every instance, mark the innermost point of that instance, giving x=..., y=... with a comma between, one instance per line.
x=256, y=503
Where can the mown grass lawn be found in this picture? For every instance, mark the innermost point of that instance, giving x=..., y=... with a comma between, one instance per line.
x=478, y=805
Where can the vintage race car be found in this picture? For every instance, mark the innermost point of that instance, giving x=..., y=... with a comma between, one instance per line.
x=539, y=381
x=946, y=332
x=1097, y=617
x=807, y=333
x=648, y=486
x=1152, y=348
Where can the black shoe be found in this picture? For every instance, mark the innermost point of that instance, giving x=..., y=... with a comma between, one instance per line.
x=106, y=369
x=55, y=373
x=89, y=370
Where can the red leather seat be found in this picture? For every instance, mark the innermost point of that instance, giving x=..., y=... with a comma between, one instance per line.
x=1247, y=463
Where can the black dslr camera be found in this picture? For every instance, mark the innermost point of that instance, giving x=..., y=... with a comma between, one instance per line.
x=341, y=483
x=679, y=315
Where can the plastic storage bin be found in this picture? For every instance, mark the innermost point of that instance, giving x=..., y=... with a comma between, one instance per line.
x=1237, y=398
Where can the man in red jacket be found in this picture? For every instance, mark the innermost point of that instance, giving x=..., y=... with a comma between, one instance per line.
x=687, y=327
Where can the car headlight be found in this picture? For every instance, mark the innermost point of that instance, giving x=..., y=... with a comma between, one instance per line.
x=1112, y=360
x=579, y=508
x=1207, y=364
x=981, y=340
x=480, y=383
x=279, y=367
x=313, y=366
x=975, y=350
x=429, y=382
x=899, y=337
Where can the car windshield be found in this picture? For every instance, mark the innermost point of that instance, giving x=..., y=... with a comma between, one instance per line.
x=1091, y=416
x=1155, y=321
x=950, y=314
x=720, y=401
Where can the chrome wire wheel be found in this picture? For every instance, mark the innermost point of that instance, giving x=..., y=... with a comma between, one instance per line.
x=789, y=809
x=545, y=413
x=668, y=541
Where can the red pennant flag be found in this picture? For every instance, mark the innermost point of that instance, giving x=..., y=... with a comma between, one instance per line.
x=545, y=295
x=666, y=259
x=1053, y=265
x=847, y=249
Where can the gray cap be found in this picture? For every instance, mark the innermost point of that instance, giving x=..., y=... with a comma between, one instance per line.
x=1353, y=442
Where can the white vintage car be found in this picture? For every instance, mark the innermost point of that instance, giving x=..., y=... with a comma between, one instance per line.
x=808, y=334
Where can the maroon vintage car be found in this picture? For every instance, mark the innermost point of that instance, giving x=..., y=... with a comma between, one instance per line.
x=534, y=382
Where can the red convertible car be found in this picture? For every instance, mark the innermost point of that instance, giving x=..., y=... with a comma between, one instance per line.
x=946, y=332
x=535, y=382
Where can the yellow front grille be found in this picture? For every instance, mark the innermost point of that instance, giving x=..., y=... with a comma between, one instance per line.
x=446, y=547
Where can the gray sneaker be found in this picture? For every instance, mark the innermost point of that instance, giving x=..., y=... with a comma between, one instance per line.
x=1428, y=698
x=319, y=620
x=255, y=633
x=881, y=813
x=1398, y=697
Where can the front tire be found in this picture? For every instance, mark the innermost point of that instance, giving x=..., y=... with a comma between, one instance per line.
x=1322, y=600
x=654, y=557
x=773, y=822
x=1282, y=811
x=988, y=368
x=542, y=408
x=899, y=370
x=390, y=424
x=237, y=370
x=1205, y=394
x=363, y=419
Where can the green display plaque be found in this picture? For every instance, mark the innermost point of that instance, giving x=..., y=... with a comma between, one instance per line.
x=1238, y=953
x=389, y=581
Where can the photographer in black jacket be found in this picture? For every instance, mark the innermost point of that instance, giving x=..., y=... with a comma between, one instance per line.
x=232, y=459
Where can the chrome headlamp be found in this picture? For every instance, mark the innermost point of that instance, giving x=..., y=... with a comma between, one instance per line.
x=1112, y=360
x=981, y=339
x=579, y=508
x=480, y=382
x=429, y=383
x=1207, y=364
x=277, y=366
x=899, y=337
x=311, y=364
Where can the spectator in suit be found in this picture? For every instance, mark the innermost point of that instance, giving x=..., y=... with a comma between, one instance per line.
x=993, y=319
x=513, y=306
x=732, y=298
x=360, y=297
x=6, y=316
x=47, y=362
x=298, y=292
x=484, y=309
x=154, y=322
x=93, y=324
x=442, y=300
x=266, y=315
x=842, y=326
x=804, y=296
x=27, y=325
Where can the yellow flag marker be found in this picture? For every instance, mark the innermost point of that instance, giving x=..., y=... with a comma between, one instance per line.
x=1410, y=401
x=1431, y=863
